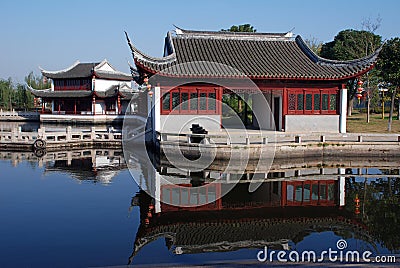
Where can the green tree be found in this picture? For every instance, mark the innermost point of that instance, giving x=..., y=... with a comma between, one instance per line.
x=389, y=69
x=240, y=28
x=354, y=44
x=6, y=94
x=37, y=81
x=16, y=95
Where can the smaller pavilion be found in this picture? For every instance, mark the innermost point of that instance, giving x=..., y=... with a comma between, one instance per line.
x=85, y=92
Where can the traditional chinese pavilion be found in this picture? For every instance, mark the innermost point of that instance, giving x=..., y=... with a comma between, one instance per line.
x=304, y=92
x=85, y=92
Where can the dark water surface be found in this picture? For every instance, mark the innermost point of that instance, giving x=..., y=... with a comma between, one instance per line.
x=89, y=212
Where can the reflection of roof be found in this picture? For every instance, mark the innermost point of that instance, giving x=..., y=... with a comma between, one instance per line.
x=84, y=70
x=229, y=230
x=82, y=170
x=256, y=55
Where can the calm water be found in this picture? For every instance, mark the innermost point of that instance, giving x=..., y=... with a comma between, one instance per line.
x=88, y=211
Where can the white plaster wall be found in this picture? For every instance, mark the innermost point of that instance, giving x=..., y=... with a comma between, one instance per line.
x=157, y=109
x=262, y=112
x=100, y=107
x=182, y=123
x=103, y=85
x=312, y=123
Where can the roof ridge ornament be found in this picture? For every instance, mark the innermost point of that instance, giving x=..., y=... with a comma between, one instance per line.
x=178, y=30
x=182, y=33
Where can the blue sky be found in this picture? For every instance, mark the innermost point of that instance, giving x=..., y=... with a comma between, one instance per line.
x=54, y=34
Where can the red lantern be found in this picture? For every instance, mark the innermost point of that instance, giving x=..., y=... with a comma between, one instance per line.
x=359, y=90
x=357, y=205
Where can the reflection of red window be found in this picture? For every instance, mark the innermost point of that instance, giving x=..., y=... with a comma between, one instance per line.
x=312, y=101
x=206, y=197
x=309, y=193
x=191, y=100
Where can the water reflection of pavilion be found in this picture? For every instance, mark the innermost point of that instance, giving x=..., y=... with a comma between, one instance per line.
x=97, y=165
x=286, y=208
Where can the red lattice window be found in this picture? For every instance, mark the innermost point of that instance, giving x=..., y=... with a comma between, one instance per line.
x=312, y=101
x=190, y=100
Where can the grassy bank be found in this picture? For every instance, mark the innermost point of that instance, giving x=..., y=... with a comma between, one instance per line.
x=357, y=123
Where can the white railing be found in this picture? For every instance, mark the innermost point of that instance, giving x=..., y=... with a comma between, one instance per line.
x=58, y=136
x=11, y=114
x=279, y=138
x=213, y=138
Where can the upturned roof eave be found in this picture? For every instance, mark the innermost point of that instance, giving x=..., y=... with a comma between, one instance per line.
x=53, y=73
x=362, y=62
x=139, y=55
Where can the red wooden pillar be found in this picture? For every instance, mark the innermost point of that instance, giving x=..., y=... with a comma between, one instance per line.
x=119, y=104
x=59, y=107
x=283, y=193
x=75, y=107
x=42, y=106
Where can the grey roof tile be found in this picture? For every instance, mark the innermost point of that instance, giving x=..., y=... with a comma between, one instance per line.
x=86, y=70
x=256, y=55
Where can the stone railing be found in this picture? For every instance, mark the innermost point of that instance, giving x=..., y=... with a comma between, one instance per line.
x=60, y=136
x=13, y=115
x=278, y=138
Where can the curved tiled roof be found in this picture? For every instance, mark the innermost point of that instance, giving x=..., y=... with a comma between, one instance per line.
x=77, y=70
x=256, y=55
x=113, y=75
x=113, y=91
x=85, y=70
x=48, y=93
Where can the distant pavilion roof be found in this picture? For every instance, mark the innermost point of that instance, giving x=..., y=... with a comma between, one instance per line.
x=113, y=91
x=255, y=55
x=48, y=93
x=87, y=70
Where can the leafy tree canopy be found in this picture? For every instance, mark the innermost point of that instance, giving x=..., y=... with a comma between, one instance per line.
x=389, y=62
x=351, y=44
x=240, y=28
